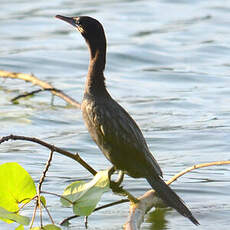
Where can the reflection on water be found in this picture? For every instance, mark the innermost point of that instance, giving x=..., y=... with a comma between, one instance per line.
x=167, y=64
x=157, y=219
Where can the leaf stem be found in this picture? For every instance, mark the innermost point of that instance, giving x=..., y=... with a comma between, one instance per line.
x=55, y=194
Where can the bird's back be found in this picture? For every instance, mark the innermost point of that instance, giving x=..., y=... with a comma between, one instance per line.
x=118, y=135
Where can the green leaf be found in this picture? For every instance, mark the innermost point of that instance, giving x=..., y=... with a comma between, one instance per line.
x=20, y=227
x=43, y=200
x=51, y=227
x=85, y=196
x=4, y=214
x=47, y=227
x=16, y=186
x=72, y=193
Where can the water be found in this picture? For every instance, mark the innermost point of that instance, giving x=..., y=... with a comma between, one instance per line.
x=167, y=64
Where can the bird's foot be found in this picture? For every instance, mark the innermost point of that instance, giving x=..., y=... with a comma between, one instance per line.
x=116, y=185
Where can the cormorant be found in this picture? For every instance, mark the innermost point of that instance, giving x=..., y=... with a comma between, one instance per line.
x=111, y=127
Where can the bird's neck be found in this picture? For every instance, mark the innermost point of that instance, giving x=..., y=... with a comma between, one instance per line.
x=95, y=82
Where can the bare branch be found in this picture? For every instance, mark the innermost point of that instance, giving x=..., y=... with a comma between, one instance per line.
x=215, y=163
x=34, y=80
x=45, y=171
x=53, y=148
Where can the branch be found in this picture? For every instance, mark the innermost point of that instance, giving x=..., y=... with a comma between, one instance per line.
x=149, y=200
x=76, y=157
x=40, y=186
x=96, y=209
x=34, y=80
x=60, y=196
x=48, y=163
x=137, y=209
x=34, y=214
x=33, y=93
x=48, y=212
x=215, y=163
x=53, y=148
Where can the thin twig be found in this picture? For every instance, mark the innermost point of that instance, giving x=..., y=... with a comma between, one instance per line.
x=34, y=214
x=112, y=204
x=68, y=218
x=33, y=93
x=40, y=209
x=196, y=167
x=97, y=209
x=55, y=194
x=34, y=80
x=47, y=210
x=53, y=148
x=41, y=182
x=26, y=203
x=45, y=170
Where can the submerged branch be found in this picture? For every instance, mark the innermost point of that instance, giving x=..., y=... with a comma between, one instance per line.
x=33, y=93
x=44, y=85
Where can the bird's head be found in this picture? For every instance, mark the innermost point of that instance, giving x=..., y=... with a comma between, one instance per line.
x=90, y=28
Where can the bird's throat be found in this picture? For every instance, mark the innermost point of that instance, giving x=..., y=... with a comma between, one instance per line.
x=95, y=78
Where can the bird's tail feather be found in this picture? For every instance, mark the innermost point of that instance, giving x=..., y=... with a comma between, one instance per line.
x=170, y=197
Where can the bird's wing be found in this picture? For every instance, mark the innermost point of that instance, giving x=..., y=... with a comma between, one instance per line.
x=124, y=138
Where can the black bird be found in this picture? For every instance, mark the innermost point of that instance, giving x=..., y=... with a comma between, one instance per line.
x=111, y=127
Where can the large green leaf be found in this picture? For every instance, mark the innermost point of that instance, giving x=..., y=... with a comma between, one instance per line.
x=72, y=193
x=85, y=196
x=4, y=214
x=16, y=186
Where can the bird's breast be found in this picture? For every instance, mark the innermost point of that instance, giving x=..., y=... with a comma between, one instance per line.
x=93, y=116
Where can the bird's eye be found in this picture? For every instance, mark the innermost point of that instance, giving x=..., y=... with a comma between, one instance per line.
x=78, y=22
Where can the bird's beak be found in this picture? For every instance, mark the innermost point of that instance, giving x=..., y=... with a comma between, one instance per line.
x=70, y=20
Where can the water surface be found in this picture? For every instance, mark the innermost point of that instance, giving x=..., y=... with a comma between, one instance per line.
x=167, y=64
